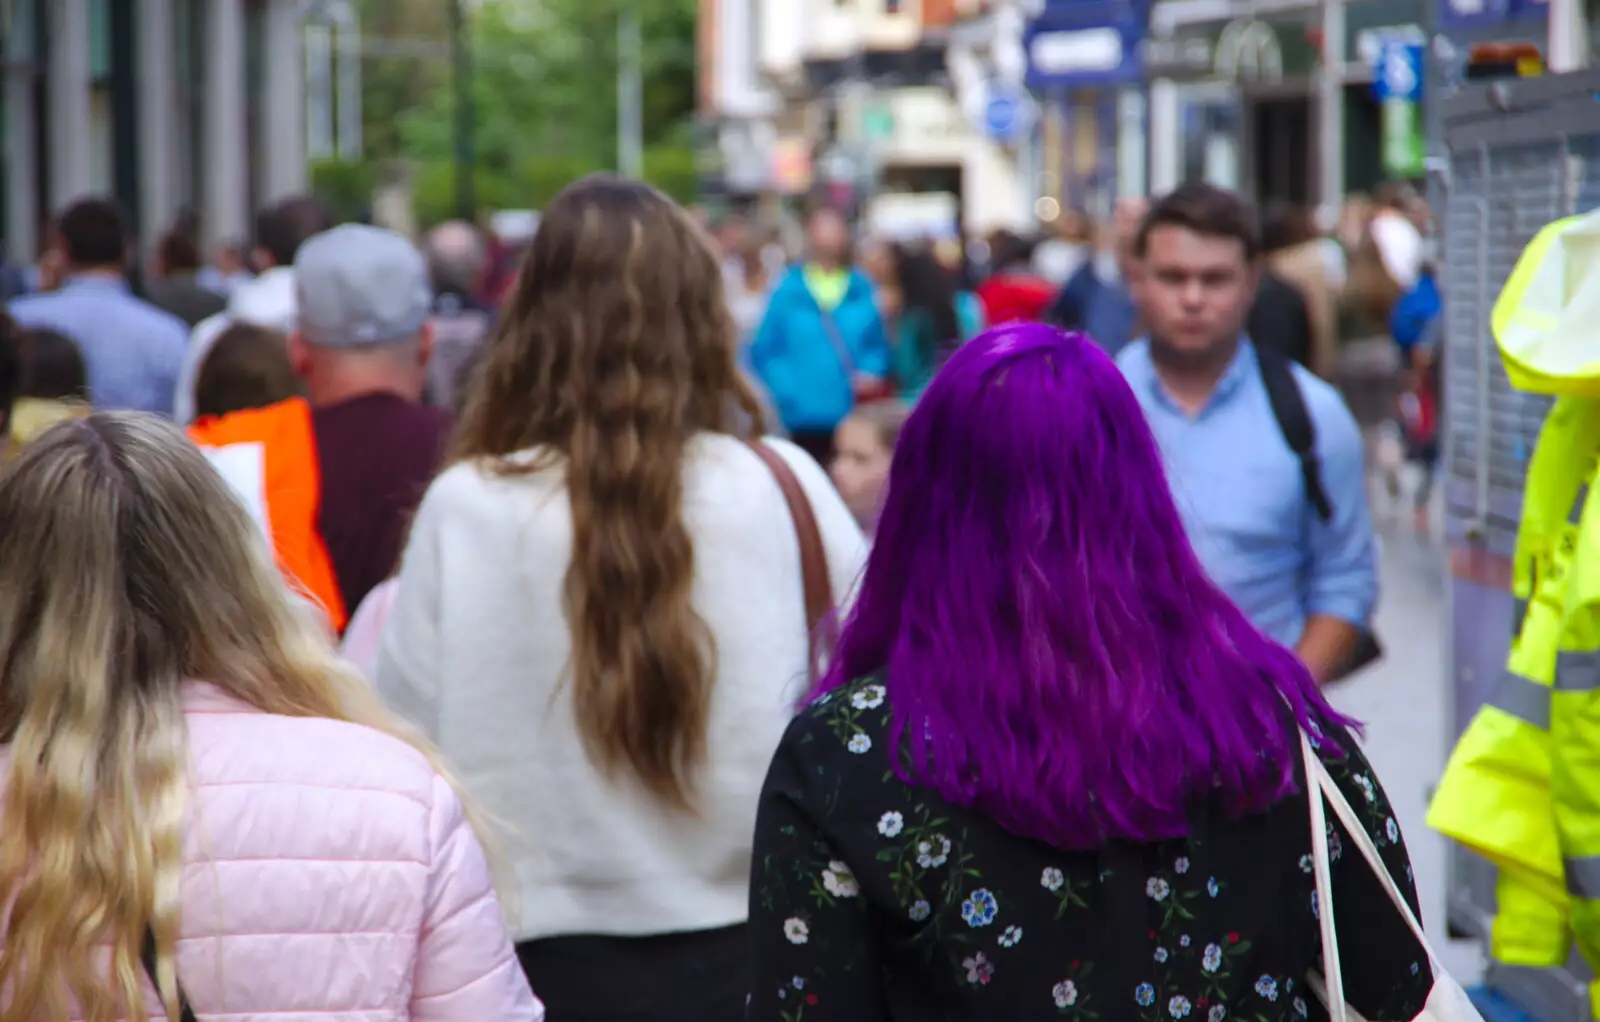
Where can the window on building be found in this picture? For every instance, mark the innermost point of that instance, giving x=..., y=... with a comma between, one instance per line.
x=754, y=21
x=19, y=111
x=100, y=41
x=23, y=31
x=255, y=75
x=101, y=138
x=188, y=21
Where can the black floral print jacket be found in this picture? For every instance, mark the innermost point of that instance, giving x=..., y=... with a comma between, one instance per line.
x=872, y=899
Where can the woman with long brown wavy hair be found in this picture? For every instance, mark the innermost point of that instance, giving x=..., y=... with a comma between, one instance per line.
x=601, y=614
x=199, y=796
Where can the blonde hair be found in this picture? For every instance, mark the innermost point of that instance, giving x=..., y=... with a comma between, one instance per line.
x=885, y=418
x=129, y=568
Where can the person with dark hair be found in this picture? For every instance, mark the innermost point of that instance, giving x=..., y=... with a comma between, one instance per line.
x=228, y=270
x=457, y=257
x=268, y=300
x=1013, y=290
x=1098, y=299
x=1267, y=455
x=134, y=350
x=1052, y=770
x=175, y=283
x=920, y=310
x=53, y=384
x=1294, y=307
x=248, y=367
x=52, y=367
x=283, y=228
x=822, y=347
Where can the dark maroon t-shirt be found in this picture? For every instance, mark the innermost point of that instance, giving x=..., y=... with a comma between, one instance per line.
x=377, y=455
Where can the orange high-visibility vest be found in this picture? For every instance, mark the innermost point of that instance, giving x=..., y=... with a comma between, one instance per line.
x=269, y=457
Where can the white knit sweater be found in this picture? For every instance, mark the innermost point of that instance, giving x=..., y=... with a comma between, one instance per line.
x=476, y=652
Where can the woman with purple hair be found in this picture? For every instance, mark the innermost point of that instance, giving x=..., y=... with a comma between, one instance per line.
x=1052, y=770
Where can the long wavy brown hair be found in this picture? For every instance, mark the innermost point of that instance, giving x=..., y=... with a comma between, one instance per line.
x=615, y=348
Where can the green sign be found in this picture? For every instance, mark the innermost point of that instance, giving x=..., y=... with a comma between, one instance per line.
x=1404, y=143
x=877, y=124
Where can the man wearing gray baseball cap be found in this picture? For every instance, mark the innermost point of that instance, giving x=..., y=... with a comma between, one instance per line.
x=336, y=475
x=361, y=345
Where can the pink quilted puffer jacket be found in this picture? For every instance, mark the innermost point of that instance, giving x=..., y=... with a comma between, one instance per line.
x=329, y=874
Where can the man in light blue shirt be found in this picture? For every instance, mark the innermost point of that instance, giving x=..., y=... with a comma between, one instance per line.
x=1307, y=582
x=131, y=348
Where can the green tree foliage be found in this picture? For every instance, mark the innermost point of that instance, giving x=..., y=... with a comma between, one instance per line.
x=544, y=93
x=393, y=84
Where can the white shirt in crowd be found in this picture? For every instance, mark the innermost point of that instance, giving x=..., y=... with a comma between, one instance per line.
x=1056, y=260
x=1399, y=246
x=265, y=301
x=476, y=652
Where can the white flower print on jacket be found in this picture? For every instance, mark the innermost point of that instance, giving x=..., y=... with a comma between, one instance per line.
x=869, y=698
x=839, y=881
x=934, y=852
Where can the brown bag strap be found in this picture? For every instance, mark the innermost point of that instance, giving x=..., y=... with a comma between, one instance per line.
x=813, y=561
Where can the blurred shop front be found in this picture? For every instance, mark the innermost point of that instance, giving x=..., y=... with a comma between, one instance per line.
x=735, y=161
x=925, y=158
x=1233, y=100
x=1085, y=66
x=1485, y=24
x=163, y=104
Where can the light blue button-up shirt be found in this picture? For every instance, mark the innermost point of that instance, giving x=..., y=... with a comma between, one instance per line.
x=131, y=348
x=1243, y=499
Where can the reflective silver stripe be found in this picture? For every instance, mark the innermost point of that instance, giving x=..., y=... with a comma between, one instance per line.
x=1577, y=671
x=1519, y=613
x=1583, y=876
x=1576, y=513
x=1525, y=700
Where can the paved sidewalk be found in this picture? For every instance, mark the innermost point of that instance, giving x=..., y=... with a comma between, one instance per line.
x=1402, y=701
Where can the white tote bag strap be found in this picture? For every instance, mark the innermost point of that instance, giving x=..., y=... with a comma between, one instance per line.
x=1322, y=868
x=1363, y=841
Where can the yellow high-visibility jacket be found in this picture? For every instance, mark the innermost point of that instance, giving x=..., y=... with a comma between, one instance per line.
x=1496, y=794
x=1575, y=740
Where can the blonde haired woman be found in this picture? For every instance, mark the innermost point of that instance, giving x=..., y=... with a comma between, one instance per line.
x=601, y=613
x=195, y=788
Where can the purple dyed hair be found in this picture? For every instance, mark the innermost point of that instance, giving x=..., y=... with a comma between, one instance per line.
x=1055, y=656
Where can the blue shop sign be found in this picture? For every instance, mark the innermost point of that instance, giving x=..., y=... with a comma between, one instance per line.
x=1008, y=113
x=1399, y=72
x=1086, y=43
x=1468, y=15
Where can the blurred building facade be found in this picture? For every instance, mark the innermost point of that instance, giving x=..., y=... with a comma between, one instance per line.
x=862, y=104
x=170, y=105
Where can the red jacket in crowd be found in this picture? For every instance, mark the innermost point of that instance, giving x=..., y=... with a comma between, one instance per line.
x=1013, y=296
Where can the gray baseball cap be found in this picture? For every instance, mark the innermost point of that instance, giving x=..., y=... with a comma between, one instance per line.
x=360, y=287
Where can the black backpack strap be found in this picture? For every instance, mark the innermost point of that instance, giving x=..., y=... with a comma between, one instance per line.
x=148, y=955
x=1294, y=421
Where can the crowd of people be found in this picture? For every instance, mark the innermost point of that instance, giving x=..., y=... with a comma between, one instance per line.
x=1353, y=303
x=671, y=630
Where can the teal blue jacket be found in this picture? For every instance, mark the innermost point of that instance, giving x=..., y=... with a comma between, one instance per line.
x=802, y=365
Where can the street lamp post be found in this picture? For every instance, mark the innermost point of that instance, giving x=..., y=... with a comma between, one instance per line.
x=461, y=64
x=1331, y=107
x=630, y=93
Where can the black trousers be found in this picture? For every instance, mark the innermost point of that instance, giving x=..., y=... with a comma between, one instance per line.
x=675, y=977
